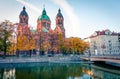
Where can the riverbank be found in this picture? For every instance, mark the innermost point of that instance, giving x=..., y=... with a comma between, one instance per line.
x=44, y=59
x=54, y=59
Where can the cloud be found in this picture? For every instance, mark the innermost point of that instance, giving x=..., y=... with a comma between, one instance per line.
x=74, y=20
x=29, y=5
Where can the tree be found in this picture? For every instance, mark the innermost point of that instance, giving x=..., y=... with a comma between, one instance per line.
x=1, y=45
x=20, y=43
x=6, y=31
x=25, y=43
x=31, y=43
x=76, y=45
x=61, y=43
x=46, y=46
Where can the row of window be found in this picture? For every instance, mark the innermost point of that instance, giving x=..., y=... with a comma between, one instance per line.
x=113, y=51
x=104, y=47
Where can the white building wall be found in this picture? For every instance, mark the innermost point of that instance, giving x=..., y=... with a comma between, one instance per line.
x=104, y=45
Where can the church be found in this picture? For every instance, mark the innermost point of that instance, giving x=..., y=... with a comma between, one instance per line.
x=45, y=38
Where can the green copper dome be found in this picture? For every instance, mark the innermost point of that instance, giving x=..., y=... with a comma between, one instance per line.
x=44, y=16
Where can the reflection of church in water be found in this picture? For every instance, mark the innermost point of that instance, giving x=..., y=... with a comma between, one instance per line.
x=45, y=38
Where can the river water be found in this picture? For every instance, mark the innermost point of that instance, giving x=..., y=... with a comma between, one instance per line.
x=58, y=71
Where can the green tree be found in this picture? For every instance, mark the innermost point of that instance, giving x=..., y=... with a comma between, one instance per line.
x=1, y=45
x=6, y=31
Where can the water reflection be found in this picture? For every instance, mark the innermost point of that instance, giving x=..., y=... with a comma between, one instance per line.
x=57, y=71
x=105, y=73
x=50, y=72
x=7, y=73
x=101, y=72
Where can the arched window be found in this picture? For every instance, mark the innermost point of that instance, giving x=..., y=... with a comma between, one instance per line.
x=24, y=19
x=59, y=22
x=43, y=23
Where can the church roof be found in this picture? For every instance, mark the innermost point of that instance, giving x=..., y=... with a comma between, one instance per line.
x=23, y=12
x=59, y=14
x=51, y=31
x=44, y=30
x=44, y=16
x=32, y=30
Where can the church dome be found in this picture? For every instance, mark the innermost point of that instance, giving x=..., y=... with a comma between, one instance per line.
x=23, y=12
x=44, y=16
x=59, y=14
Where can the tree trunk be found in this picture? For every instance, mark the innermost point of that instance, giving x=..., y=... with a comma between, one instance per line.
x=5, y=47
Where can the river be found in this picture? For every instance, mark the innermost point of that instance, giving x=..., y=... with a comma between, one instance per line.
x=58, y=71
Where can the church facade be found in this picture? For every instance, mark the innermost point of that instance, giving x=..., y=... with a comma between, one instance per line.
x=46, y=39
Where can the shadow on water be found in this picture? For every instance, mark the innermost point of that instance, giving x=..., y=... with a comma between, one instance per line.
x=55, y=71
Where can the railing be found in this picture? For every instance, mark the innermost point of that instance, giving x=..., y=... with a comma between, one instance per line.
x=113, y=59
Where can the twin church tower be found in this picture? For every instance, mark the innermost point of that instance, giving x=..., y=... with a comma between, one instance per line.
x=43, y=35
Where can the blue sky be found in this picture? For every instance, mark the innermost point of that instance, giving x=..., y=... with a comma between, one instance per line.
x=81, y=17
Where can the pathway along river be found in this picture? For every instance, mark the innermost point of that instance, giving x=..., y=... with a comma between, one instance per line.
x=58, y=71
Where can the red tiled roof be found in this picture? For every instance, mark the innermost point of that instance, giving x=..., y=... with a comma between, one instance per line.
x=103, y=33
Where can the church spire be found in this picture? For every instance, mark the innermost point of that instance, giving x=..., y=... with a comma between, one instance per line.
x=60, y=22
x=59, y=11
x=24, y=8
x=44, y=12
x=43, y=5
x=23, y=16
x=59, y=14
x=59, y=19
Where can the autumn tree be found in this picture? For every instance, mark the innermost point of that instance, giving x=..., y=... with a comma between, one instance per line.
x=25, y=43
x=61, y=43
x=46, y=46
x=76, y=45
x=31, y=43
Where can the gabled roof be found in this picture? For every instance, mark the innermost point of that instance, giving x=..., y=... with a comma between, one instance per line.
x=103, y=32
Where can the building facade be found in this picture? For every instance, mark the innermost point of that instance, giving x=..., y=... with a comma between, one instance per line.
x=46, y=39
x=23, y=28
x=104, y=43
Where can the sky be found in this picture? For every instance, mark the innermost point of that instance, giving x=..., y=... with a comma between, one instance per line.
x=81, y=17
